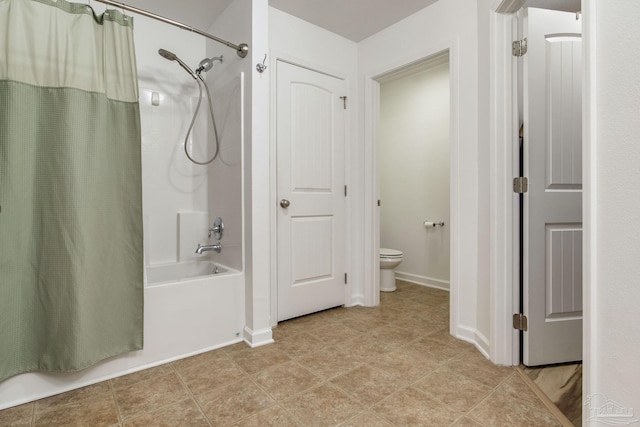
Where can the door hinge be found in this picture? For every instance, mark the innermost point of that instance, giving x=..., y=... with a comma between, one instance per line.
x=345, y=191
x=345, y=278
x=520, y=322
x=344, y=101
x=378, y=202
x=519, y=47
x=520, y=184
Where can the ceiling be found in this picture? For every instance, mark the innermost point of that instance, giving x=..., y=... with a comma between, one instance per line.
x=566, y=5
x=199, y=14
x=353, y=19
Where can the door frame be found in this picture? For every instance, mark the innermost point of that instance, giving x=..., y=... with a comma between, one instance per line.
x=502, y=98
x=371, y=217
x=504, y=208
x=275, y=56
x=502, y=346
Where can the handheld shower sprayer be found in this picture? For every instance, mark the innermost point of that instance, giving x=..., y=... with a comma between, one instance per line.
x=172, y=57
x=205, y=65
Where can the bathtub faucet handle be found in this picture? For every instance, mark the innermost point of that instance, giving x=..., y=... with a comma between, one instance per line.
x=205, y=248
x=218, y=229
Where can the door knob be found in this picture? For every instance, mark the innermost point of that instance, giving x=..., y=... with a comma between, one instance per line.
x=284, y=203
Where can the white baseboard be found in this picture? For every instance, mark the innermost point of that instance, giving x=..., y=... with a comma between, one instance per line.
x=472, y=336
x=482, y=344
x=357, y=300
x=423, y=280
x=257, y=338
x=465, y=334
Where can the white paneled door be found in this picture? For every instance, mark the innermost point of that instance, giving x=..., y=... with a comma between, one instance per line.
x=553, y=203
x=310, y=135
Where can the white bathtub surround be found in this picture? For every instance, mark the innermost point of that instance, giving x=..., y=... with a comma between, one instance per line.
x=192, y=229
x=225, y=175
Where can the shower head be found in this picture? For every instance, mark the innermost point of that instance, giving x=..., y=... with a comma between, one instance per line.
x=207, y=63
x=172, y=57
x=167, y=55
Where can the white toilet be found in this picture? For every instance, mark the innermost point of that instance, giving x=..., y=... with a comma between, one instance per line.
x=389, y=259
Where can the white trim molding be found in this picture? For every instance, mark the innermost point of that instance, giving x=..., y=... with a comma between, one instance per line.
x=371, y=217
x=257, y=338
x=504, y=348
x=507, y=6
x=473, y=336
x=430, y=282
x=589, y=203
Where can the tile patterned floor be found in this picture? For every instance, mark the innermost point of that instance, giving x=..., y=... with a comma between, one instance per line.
x=392, y=365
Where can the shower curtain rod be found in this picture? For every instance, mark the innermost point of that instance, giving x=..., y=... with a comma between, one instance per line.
x=241, y=49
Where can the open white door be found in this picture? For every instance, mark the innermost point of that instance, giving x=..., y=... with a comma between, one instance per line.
x=311, y=194
x=553, y=204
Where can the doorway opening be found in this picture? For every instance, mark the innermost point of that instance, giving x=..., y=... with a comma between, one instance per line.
x=413, y=170
x=414, y=149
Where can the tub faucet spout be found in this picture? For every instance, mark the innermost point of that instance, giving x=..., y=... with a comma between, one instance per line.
x=204, y=248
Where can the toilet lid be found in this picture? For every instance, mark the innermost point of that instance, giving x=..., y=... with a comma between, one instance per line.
x=386, y=252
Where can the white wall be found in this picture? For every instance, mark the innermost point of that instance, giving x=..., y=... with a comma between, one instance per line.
x=247, y=21
x=302, y=43
x=298, y=40
x=258, y=330
x=612, y=204
x=444, y=25
x=413, y=172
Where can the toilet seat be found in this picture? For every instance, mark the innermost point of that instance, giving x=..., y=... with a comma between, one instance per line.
x=390, y=253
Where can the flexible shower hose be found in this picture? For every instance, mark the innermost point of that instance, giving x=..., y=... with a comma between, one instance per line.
x=201, y=83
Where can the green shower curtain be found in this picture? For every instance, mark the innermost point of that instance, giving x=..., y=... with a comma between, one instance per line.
x=71, y=259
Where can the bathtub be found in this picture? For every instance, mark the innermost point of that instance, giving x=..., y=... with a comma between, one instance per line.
x=189, y=309
x=179, y=272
